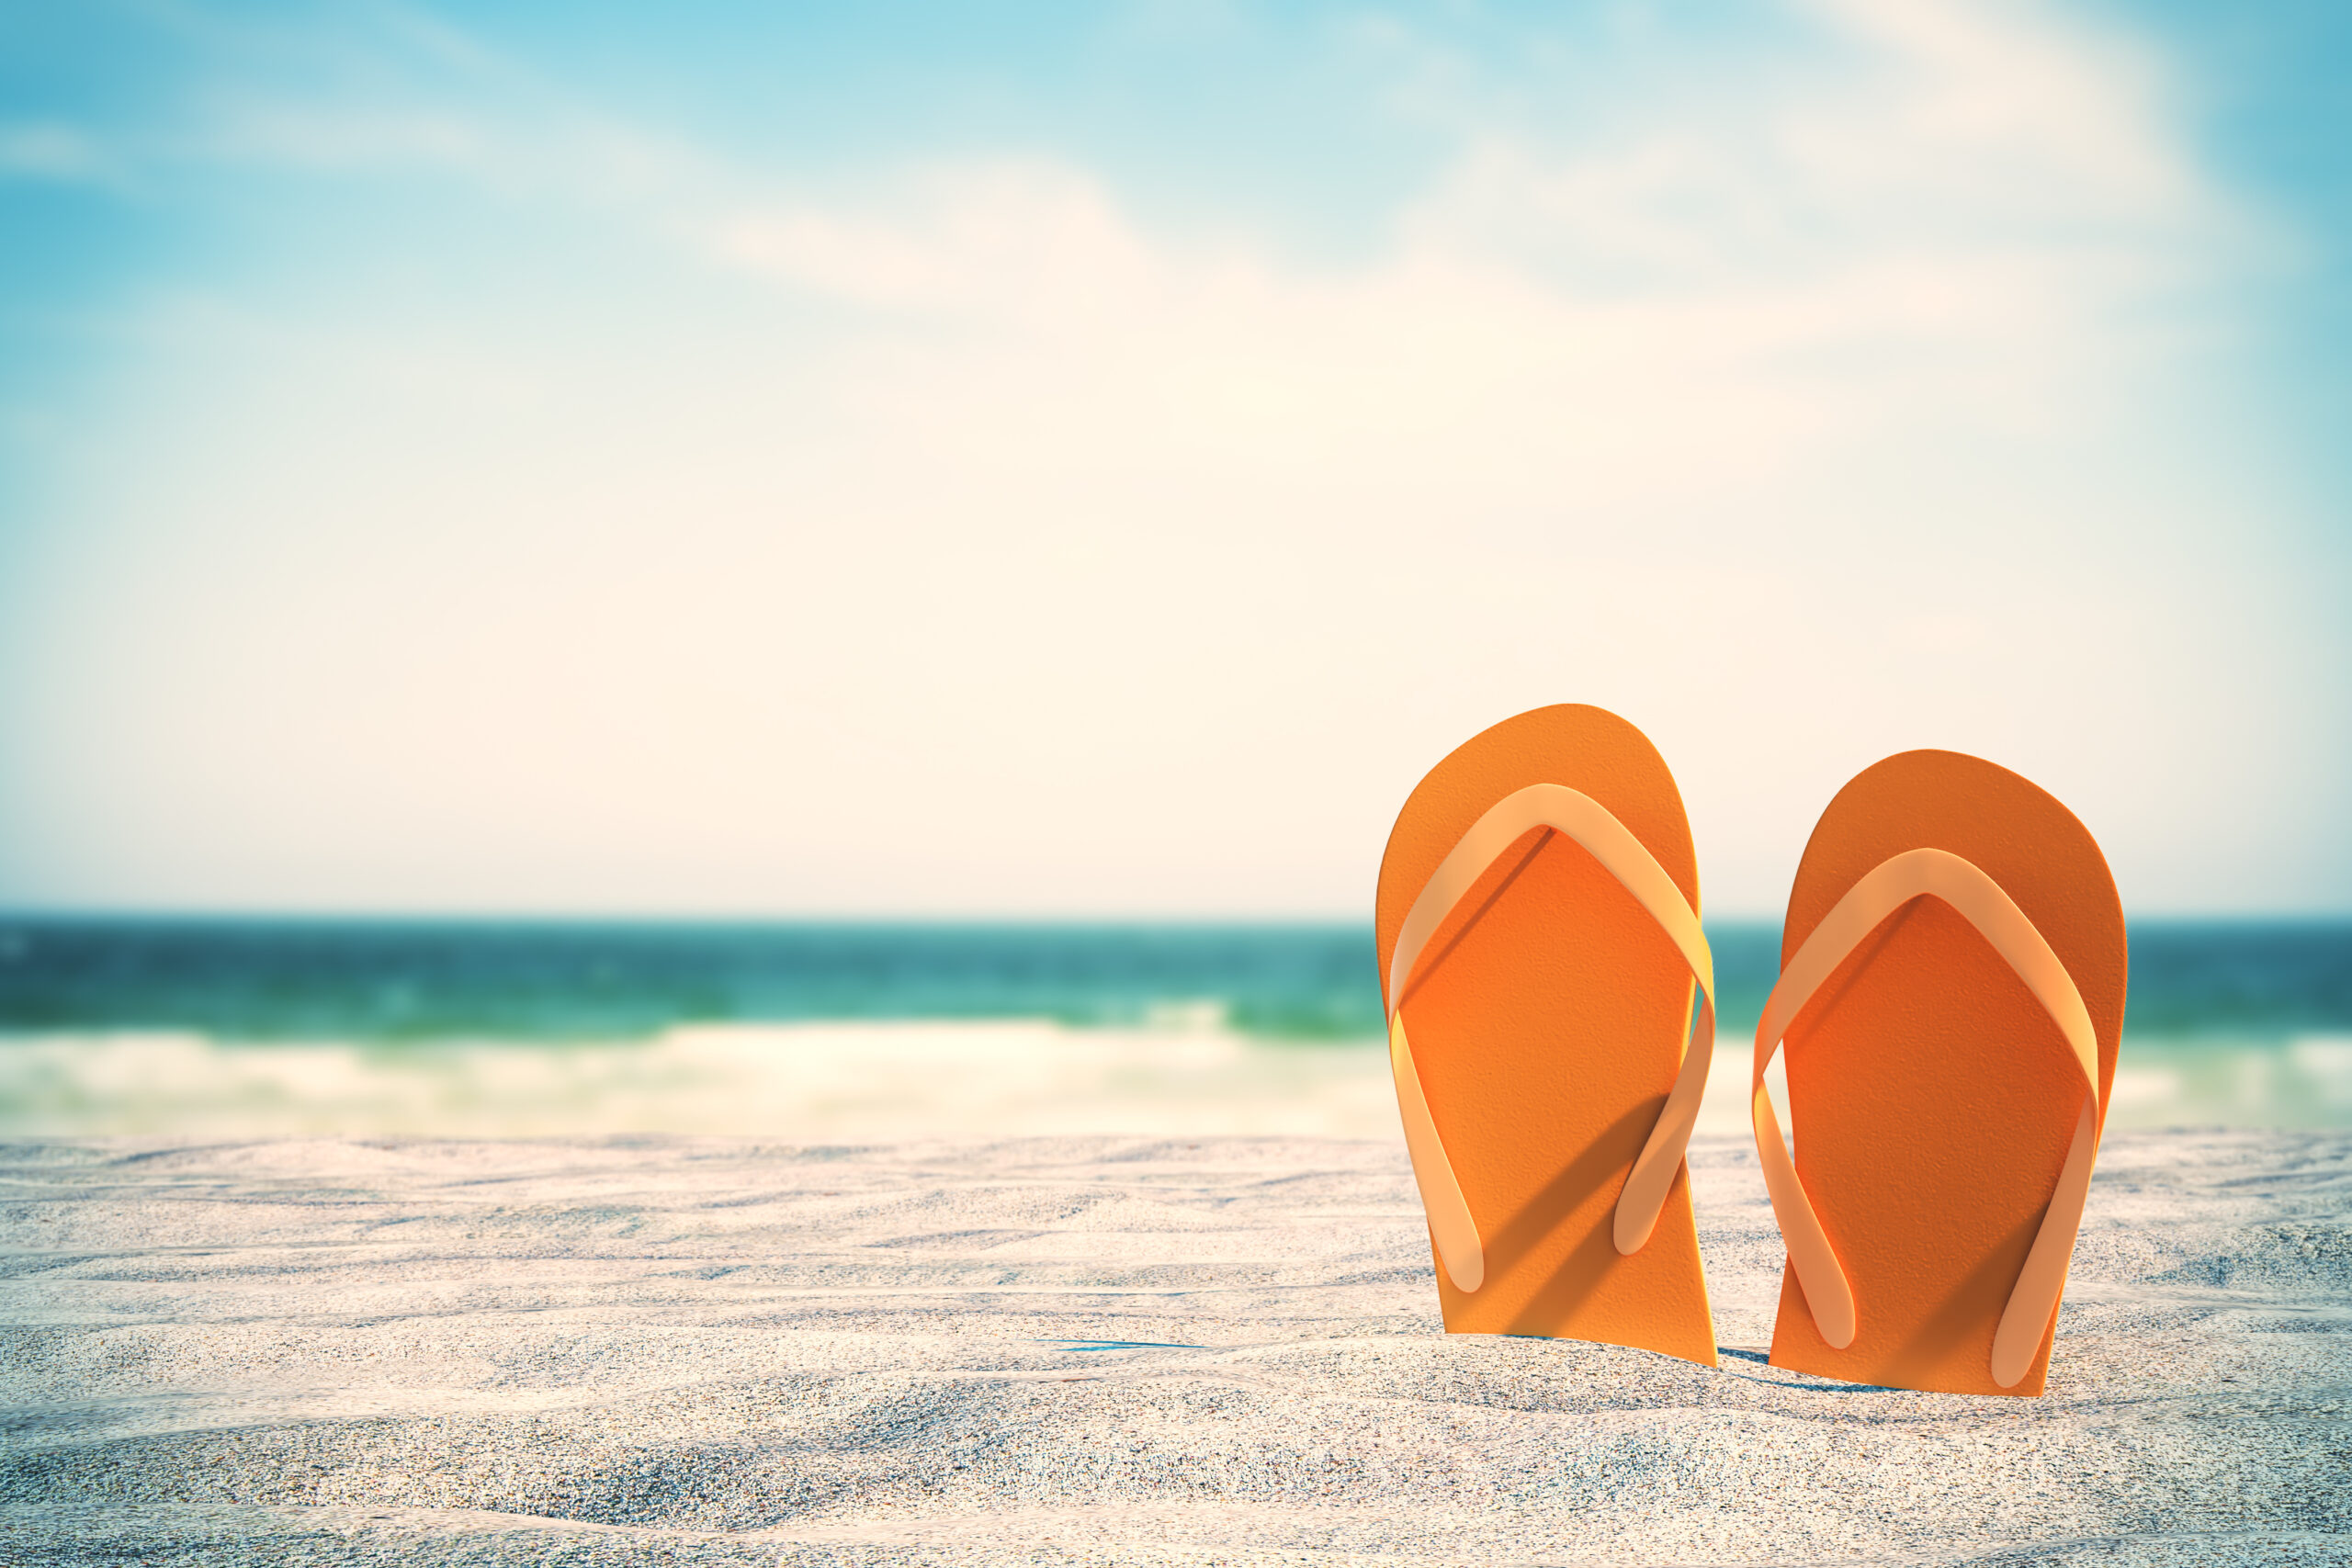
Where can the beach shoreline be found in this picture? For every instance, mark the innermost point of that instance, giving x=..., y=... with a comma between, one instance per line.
x=902, y=1080
x=1086, y=1350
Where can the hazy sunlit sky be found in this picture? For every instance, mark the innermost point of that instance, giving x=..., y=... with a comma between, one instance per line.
x=957, y=459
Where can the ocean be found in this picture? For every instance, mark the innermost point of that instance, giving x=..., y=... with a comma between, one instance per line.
x=2234, y=1023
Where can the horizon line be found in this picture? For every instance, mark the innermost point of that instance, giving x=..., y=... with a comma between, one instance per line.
x=414, y=916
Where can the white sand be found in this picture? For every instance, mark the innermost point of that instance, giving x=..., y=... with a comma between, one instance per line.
x=1098, y=1350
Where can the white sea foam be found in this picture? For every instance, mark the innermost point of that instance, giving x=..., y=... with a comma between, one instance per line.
x=1186, y=1074
x=2326, y=1061
x=801, y=1082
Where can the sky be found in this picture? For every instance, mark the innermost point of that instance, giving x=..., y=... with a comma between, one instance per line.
x=939, y=460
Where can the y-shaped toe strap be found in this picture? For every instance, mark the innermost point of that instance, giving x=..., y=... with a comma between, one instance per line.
x=1610, y=842
x=1936, y=873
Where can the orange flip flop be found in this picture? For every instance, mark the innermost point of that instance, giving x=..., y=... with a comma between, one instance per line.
x=1952, y=996
x=1538, y=927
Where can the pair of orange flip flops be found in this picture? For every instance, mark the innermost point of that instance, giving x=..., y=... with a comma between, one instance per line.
x=1949, y=1002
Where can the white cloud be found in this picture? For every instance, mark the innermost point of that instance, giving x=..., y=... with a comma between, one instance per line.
x=50, y=151
x=1067, y=562
x=1038, y=242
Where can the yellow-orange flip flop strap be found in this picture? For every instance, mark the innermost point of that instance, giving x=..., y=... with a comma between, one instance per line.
x=1978, y=900
x=1450, y=1226
x=1610, y=842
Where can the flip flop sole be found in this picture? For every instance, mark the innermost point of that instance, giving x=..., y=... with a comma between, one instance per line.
x=1548, y=1017
x=1932, y=1099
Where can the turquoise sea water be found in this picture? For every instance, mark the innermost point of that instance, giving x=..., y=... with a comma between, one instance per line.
x=2239, y=1021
